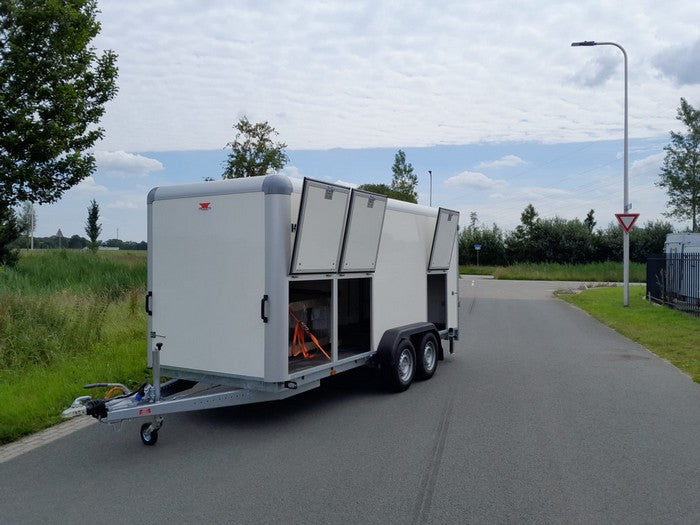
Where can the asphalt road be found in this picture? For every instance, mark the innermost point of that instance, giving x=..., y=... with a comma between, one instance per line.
x=542, y=416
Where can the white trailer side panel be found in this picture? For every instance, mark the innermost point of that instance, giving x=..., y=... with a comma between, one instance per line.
x=400, y=295
x=208, y=281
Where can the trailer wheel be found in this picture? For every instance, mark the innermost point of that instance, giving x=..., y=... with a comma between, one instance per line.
x=147, y=438
x=400, y=374
x=427, y=359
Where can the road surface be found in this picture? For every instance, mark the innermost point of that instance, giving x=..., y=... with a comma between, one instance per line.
x=542, y=416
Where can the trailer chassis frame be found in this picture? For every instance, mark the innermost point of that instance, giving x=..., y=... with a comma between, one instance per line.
x=200, y=392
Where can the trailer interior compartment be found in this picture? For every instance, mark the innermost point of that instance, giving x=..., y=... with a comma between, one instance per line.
x=437, y=303
x=310, y=323
x=354, y=316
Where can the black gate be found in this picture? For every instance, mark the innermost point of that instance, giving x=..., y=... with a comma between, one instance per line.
x=674, y=280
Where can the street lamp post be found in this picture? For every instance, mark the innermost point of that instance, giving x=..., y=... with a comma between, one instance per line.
x=431, y=186
x=626, y=235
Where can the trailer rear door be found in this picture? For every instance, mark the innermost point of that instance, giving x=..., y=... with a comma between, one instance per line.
x=208, y=260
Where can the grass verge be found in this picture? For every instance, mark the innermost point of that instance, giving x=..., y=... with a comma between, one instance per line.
x=32, y=398
x=670, y=334
x=67, y=319
x=595, y=272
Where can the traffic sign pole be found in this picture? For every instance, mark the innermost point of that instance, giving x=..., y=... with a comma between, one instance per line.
x=626, y=220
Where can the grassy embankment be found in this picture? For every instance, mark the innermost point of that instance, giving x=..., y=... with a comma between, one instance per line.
x=67, y=319
x=672, y=335
x=598, y=272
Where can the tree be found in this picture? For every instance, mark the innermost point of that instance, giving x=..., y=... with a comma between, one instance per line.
x=26, y=221
x=9, y=231
x=54, y=87
x=590, y=221
x=76, y=242
x=648, y=241
x=529, y=216
x=680, y=172
x=518, y=242
x=492, y=251
x=253, y=152
x=92, y=229
x=404, y=181
x=383, y=189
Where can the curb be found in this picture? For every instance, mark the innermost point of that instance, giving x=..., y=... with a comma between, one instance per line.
x=29, y=443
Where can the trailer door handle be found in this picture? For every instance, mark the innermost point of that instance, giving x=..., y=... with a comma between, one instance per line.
x=262, y=308
x=149, y=295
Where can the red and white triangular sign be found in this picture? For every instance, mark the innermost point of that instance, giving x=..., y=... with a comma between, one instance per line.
x=626, y=220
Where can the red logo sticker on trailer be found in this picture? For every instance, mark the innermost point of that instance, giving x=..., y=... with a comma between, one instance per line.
x=144, y=411
x=205, y=206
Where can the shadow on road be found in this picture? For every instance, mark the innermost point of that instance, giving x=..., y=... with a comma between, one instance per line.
x=353, y=385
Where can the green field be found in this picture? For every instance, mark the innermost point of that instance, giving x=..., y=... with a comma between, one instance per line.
x=672, y=335
x=67, y=319
x=608, y=272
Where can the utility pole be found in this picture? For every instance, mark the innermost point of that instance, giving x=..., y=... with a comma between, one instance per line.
x=431, y=186
x=31, y=233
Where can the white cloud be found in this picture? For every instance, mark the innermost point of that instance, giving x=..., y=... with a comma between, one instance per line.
x=347, y=184
x=125, y=164
x=348, y=74
x=292, y=171
x=88, y=186
x=648, y=166
x=538, y=192
x=123, y=205
x=507, y=161
x=596, y=72
x=680, y=63
x=474, y=180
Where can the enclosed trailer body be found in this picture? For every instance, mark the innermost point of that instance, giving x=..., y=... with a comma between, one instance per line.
x=679, y=243
x=682, y=251
x=234, y=265
x=258, y=288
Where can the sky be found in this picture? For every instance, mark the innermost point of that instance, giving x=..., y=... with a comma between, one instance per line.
x=488, y=96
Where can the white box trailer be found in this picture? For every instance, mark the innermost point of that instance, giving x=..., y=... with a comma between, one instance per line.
x=258, y=288
x=682, y=251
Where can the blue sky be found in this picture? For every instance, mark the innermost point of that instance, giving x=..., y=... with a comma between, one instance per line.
x=488, y=95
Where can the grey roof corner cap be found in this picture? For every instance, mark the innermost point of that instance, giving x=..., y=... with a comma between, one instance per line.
x=277, y=185
x=151, y=196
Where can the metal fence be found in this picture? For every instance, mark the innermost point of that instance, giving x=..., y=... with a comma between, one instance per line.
x=674, y=280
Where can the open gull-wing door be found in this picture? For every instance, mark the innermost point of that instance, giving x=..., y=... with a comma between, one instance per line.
x=444, y=239
x=363, y=232
x=320, y=228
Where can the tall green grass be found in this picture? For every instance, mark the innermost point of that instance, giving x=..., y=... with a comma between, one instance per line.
x=66, y=318
x=594, y=272
x=77, y=271
x=33, y=397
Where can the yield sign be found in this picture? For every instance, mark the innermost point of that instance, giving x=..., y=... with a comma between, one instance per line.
x=626, y=220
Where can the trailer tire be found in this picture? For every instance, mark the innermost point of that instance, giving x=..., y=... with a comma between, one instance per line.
x=148, y=439
x=400, y=373
x=427, y=358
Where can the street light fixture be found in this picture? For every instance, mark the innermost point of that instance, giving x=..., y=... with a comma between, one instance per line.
x=626, y=235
